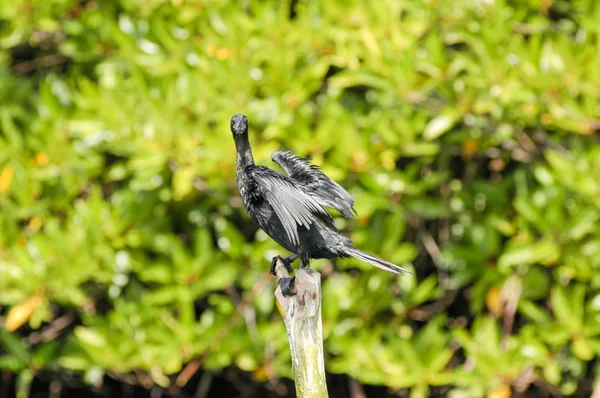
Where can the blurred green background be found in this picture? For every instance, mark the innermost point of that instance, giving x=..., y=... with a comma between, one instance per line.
x=467, y=131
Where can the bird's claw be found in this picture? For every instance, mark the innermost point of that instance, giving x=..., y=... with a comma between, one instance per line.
x=287, y=286
x=287, y=265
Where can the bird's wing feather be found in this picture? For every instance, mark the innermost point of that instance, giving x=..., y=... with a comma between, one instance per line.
x=293, y=206
x=314, y=182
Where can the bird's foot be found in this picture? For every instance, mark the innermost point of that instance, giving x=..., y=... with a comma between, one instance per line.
x=287, y=286
x=286, y=264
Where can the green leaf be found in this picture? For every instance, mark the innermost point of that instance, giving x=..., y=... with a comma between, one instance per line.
x=582, y=349
x=564, y=311
x=545, y=252
x=560, y=163
x=440, y=125
x=90, y=336
x=15, y=346
x=424, y=291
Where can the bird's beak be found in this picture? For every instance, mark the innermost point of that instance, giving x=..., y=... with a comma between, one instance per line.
x=238, y=125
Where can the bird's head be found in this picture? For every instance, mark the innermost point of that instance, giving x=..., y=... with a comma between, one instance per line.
x=239, y=125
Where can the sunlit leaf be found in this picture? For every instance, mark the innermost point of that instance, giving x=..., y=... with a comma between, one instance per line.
x=440, y=125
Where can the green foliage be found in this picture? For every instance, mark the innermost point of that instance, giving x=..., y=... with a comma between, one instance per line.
x=466, y=131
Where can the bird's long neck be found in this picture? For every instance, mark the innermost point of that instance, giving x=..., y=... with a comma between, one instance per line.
x=244, y=154
x=243, y=160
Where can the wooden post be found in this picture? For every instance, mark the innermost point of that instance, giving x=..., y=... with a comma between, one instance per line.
x=302, y=316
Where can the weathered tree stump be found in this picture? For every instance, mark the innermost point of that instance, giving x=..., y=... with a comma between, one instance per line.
x=302, y=316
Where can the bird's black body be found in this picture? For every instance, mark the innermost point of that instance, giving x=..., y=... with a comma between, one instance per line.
x=289, y=208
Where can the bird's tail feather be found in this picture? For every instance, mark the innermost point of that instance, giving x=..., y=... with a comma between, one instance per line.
x=376, y=261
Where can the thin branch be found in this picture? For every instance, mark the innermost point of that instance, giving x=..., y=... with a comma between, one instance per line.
x=431, y=246
x=204, y=385
x=52, y=331
x=356, y=390
x=43, y=62
x=249, y=315
x=511, y=294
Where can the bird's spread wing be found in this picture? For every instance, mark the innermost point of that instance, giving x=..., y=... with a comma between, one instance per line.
x=293, y=206
x=314, y=182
